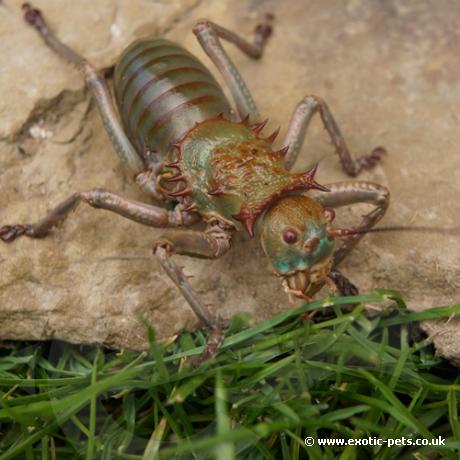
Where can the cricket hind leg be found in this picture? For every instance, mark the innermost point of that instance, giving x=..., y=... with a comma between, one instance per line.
x=153, y=216
x=208, y=34
x=297, y=131
x=139, y=164
x=354, y=192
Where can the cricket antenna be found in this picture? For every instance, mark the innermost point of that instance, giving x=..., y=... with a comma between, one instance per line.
x=342, y=232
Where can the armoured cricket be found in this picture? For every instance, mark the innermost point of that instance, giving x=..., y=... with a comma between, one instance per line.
x=185, y=145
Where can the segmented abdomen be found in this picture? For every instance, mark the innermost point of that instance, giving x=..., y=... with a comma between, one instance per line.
x=162, y=90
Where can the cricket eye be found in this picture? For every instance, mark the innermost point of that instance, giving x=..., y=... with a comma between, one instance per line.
x=290, y=236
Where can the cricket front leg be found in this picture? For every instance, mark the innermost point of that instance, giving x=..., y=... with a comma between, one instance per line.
x=210, y=244
x=208, y=35
x=297, y=131
x=153, y=216
x=342, y=283
x=353, y=192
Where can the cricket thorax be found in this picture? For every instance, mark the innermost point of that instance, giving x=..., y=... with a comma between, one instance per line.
x=227, y=171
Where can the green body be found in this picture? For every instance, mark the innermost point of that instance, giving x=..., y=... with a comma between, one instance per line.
x=172, y=105
x=231, y=174
x=239, y=169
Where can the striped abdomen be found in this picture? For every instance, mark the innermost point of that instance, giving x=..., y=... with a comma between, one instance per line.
x=162, y=90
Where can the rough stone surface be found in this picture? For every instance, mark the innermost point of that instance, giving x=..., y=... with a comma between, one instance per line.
x=389, y=71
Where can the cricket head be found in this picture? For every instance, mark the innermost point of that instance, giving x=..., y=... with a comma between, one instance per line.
x=294, y=235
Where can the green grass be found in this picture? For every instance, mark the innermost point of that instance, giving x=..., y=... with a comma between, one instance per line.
x=343, y=375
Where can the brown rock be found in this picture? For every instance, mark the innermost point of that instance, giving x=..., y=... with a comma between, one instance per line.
x=390, y=75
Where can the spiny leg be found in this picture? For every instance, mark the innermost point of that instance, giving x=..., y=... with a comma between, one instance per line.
x=210, y=244
x=208, y=35
x=346, y=193
x=153, y=216
x=97, y=85
x=297, y=130
x=343, y=284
